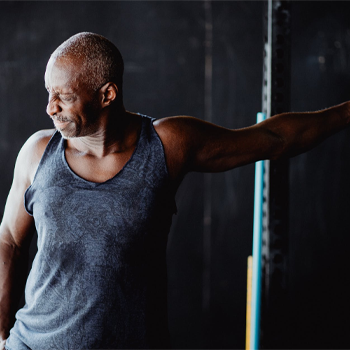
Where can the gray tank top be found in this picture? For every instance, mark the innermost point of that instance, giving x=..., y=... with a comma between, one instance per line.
x=98, y=280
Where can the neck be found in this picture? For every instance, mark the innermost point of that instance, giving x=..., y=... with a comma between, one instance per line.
x=117, y=132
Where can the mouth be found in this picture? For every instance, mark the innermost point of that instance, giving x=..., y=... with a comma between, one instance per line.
x=59, y=122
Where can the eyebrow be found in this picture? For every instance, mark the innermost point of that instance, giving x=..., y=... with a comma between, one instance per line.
x=59, y=92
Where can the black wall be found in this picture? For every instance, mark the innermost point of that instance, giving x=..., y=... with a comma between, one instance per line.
x=163, y=47
x=320, y=206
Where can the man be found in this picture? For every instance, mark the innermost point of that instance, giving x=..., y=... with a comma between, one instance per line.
x=100, y=192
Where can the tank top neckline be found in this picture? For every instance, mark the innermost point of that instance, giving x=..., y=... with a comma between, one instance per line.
x=92, y=183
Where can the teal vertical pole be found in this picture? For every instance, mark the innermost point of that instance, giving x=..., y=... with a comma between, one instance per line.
x=257, y=243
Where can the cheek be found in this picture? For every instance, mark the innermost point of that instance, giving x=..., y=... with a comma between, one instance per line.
x=91, y=112
x=83, y=113
x=75, y=114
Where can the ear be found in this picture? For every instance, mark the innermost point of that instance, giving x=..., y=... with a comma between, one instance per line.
x=109, y=93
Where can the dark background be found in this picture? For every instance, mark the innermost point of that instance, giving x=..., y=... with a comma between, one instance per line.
x=163, y=48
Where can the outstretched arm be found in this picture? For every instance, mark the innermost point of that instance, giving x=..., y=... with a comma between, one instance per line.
x=16, y=231
x=194, y=145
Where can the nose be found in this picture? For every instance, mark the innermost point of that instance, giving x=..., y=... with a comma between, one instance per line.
x=52, y=107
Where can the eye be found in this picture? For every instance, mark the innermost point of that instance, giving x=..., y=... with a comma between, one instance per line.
x=67, y=97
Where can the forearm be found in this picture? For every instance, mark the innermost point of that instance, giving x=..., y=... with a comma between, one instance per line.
x=13, y=265
x=300, y=132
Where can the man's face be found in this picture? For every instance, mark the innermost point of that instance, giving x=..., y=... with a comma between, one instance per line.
x=72, y=106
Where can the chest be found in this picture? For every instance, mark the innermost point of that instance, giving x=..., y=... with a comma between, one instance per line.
x=96, y=169
x=113, y=217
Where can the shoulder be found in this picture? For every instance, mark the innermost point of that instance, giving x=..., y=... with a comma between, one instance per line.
x=35, y=146
x=31, y=152
x=175, y=123
x=183, y=127
x=177, y=129
x=177, y=136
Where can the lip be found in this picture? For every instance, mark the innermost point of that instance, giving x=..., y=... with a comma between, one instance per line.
x=60, y=124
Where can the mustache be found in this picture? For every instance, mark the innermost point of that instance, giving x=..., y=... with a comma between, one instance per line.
x=60, y=118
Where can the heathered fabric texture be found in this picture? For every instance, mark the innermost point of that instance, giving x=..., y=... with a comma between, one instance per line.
x=98, y=280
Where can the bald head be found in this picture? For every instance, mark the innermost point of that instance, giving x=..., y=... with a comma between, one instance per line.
x=97, y=59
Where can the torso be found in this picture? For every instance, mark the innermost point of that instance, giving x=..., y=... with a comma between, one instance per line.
x=94, y=238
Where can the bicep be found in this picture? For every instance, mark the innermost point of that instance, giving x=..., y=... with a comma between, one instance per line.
x=16, y=230
x=192, y=144
x=220, y=149
x=17, y=225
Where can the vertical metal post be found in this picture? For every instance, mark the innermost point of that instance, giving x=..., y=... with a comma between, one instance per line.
x=207, y=215
x=276, y=100
x=257, y=246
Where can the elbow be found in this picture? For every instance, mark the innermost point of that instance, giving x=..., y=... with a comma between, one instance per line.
x=8, y=244
x=279, y=146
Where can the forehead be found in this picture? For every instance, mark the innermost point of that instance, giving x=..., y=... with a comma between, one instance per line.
x=62, y=74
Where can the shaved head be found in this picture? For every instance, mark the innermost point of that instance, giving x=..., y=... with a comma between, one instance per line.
x=98, y=60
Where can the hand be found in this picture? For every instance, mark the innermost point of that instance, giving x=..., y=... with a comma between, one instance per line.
x=2, y=344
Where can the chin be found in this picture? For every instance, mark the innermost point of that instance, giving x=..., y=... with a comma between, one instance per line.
x=66, y=134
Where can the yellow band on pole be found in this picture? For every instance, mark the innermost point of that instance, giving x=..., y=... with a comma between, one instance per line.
x=249, y=301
